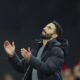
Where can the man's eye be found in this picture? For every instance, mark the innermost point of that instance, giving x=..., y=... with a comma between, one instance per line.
x=49, y=27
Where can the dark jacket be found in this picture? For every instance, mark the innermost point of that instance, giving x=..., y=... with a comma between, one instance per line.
x=49, y=68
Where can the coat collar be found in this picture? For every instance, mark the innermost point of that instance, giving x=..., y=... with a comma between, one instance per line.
x=49, y=43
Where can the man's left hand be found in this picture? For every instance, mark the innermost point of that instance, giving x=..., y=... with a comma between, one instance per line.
x=26, y=53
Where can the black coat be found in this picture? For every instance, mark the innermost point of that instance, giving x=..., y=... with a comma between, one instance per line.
x=49, y=68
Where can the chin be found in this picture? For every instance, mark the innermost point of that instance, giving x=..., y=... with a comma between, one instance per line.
x=43, y=33
x=45, y=37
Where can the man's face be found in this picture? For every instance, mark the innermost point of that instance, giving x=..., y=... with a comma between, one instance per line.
x=48, y=31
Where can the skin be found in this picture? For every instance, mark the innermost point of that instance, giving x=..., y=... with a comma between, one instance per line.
x=67, y=75
x=76, y=70
x=8, y=77
x=48, y=32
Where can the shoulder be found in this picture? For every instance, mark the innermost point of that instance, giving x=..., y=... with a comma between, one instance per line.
x=57, y=51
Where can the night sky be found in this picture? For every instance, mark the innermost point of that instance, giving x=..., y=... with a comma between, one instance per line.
x=21, y=21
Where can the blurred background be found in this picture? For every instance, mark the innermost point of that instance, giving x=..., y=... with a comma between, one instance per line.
x=21, y=21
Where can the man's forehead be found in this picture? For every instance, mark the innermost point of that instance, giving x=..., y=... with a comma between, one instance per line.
x=51, y=25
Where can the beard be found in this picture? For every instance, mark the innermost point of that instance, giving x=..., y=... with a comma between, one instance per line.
x=46, y=36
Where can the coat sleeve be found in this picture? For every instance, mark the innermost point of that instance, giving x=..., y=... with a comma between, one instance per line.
x=19, y=64
x=52, y=64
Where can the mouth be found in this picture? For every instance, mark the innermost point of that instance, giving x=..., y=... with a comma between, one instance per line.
x=43, y=31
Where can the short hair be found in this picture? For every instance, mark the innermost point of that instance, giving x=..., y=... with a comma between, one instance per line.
x=59, y=29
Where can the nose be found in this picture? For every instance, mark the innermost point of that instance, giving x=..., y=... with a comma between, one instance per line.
x=44, y=28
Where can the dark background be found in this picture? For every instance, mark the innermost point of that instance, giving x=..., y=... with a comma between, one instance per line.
x=22, y=20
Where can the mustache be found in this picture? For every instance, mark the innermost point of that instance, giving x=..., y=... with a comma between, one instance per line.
x=43, y=31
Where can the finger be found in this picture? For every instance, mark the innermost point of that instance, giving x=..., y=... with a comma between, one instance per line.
x=29, y=49
x=23, y=54
x=6, y=43
x=23, y=49
x=13, y=44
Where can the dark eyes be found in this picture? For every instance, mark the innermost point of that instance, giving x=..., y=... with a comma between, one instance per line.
x=49, y=27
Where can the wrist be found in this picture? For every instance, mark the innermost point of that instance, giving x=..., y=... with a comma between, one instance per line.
x=29, y=58
x=11, y=55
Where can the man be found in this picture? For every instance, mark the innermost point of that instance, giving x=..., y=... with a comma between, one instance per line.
x=8, y=77
x=76, y=71
x=67, y=73
x=44, y=60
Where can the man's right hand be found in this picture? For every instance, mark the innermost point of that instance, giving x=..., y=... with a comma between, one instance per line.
x=9, y=48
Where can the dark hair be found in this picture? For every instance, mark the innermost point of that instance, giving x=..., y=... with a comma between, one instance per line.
x=59, y=29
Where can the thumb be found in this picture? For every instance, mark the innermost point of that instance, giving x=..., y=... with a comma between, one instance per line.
x=29, y=49
x=13, y=44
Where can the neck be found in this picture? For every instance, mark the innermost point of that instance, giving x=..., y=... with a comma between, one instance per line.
x=46, y=40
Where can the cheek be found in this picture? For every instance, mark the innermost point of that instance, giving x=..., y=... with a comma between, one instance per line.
x=49, y=32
